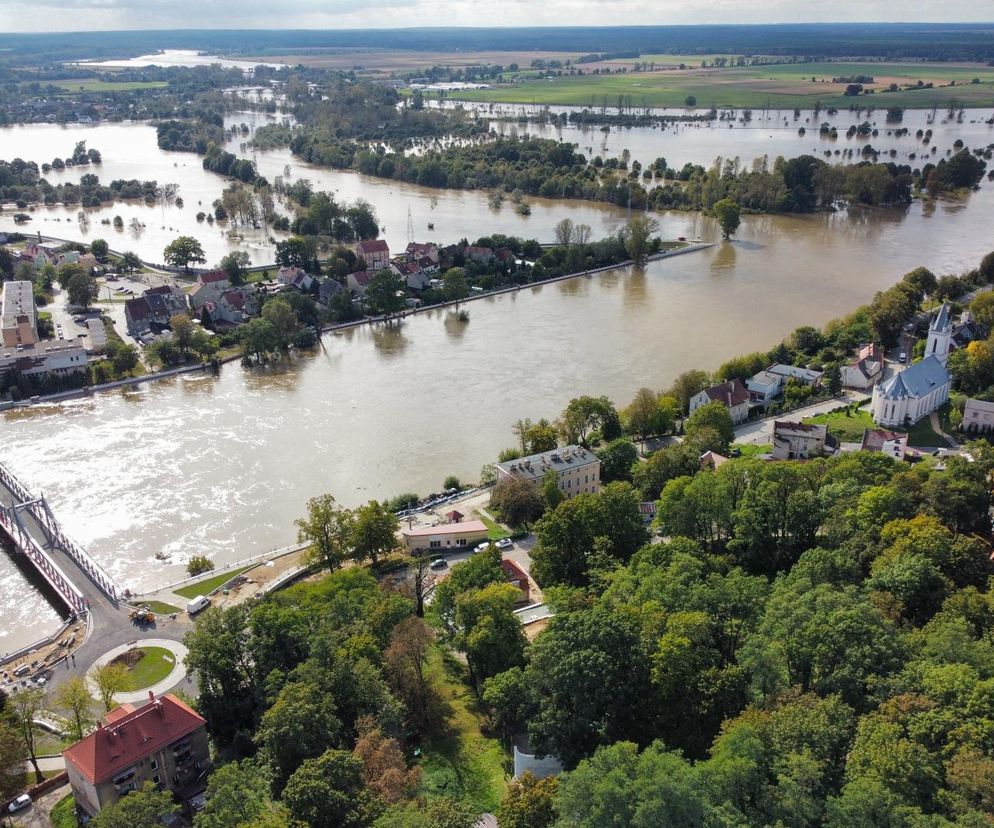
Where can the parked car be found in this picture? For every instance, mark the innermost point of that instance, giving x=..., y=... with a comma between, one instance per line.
x=439, y=563
x=902, y=357
x=505, y=543
x=19, y=804
x=483, y=547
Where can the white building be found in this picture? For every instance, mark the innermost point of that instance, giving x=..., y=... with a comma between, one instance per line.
x=978, y=417
x=50, y=356
x=798, y=441
x=892, y=443
x=865, y=369
x=732, y=394
x=920, y=389
x=19, y=325
x=577, y=469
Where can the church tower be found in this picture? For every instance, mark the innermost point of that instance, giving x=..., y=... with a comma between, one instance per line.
x=940, y=334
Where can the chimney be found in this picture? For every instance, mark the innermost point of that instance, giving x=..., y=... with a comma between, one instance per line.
x=151, y=696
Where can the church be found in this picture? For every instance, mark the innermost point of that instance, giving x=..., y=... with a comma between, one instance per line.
x=918, y=390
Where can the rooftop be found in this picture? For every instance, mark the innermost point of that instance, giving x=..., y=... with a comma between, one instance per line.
x=18, y=300
x=874, y=438
x=915, y=381
x=535, y=466
x=808, y=428
x=445, y=529
x=374, y=246
x=732, y=393
x=128, y=734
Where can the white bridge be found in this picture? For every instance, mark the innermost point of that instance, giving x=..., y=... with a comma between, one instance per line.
x=36, y=533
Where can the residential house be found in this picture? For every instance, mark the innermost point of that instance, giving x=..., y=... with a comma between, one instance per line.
x=229, y=310
x=297, y=278
x=417, y=251
x=411, y=274
x=18, y=317
x=798, y=441
x=447, y=537
x=153, y=309
x=892, y=443
x=966, y=330
x=921, y=388
x=802, y=375
x=209, y=288
x=479, y=255
x=764, y=387
x=865, y=369
x=578, y=470
x=978, y=417
x=375, y=252
x=163, y=742
x=517, y=577
x=504, y=255
x=712, y=460
x=358, y=282
x=329, y=287
x=428, y=265
x=731, y=394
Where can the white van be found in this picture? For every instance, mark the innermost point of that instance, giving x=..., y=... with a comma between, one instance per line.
x=196, y=604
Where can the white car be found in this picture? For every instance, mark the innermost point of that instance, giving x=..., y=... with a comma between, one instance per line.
x=902, y=357
x=19, y=804
x=505, y=543
x=483, y=547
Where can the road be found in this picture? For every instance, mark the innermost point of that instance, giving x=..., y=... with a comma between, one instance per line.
x=760, y=432
x=36, y=816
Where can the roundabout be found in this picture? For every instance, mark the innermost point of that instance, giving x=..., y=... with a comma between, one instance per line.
x=153, y=664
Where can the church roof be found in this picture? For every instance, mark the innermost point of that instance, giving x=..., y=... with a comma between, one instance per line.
x=942, y=321
x=916, y=381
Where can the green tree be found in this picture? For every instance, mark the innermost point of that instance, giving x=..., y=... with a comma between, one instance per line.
x=294, y=252
x=235, y=264
x=454, y=284
x=24, y=707
x=184, y=251
x=125, y=360
x=110, y=679
x=637, y=235
x=540, y=436
x=727, y=213
x=713, y=417
x=182, y=328
x=259, y=339
x=144, y=808
x=74, y=699
x=381, y=292
x=617, y=459
x=329, y=529
x=477, y=572
x=552, y=495
x=529, y=802
x=131, y=261
x=278, y=313
x=518, y=502
x=238, y=797
x=374, y=532
x=13, y=755
x=488, y=630
x=688, y=384
x=584, y=414
x=81, y=290
x=198, y=565
x=300, y=724
x=328, y=792
x=99, y=248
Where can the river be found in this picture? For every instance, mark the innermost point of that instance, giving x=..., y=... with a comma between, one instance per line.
x=222, y=467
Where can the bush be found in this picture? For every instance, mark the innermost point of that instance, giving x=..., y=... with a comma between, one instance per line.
x=451, y=482
x=199, y=564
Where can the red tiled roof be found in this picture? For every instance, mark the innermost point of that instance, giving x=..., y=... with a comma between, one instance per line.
x=235, y=298
x=130, y=736
x=213, y=276
x=731, y=393
x=374, y=246
x=513, y=572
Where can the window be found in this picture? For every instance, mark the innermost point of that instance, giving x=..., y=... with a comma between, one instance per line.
x=155, y=779
x=154, y=764
x=434, y=544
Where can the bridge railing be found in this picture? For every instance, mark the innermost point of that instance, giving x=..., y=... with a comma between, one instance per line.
x=38, y=508
x=48, y=568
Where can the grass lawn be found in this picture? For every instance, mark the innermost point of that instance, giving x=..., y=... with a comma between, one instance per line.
x=751, y=449
x=461, y=762
x=63, y=815
x=152, y=667
x=160, y=608
x=48, y=744
x=494, y=530
x=847, y=429
x=97, y=85
x=783, y=86
x=921, y=435
x=208, y=585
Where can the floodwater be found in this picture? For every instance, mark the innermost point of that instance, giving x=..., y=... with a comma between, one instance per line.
x=175, y=57
x=222, y=467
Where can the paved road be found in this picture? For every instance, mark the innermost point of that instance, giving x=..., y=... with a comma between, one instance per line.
x=37, y=815
x=760, y=432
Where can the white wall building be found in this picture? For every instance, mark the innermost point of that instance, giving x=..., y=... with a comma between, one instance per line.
x=578, y=470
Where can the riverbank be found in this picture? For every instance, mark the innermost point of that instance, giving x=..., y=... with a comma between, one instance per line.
x=130, y=382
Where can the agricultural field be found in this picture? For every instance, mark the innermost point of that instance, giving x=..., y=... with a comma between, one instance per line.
x=97, y=85
x=781, y=86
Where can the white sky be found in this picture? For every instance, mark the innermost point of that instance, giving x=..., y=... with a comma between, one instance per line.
x=70, y=15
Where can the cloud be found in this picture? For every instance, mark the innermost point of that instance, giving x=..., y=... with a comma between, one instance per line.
x=35, y=15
